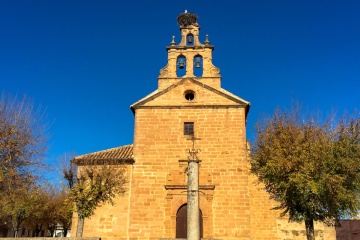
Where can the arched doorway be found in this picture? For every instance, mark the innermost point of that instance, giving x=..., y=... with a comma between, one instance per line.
x=181, y=222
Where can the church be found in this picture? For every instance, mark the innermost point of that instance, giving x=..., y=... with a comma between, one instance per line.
x=189, y=101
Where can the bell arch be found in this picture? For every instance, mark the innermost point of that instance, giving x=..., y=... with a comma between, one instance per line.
x=198, y=65
x=181, y=66
x=190, y=39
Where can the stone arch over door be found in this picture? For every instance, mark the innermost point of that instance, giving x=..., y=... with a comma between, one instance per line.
x=177, y=197
x=181, y=222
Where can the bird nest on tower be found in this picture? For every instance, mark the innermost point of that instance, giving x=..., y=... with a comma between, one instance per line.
x=186, y=19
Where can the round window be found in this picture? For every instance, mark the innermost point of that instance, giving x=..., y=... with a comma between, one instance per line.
x=189, y=95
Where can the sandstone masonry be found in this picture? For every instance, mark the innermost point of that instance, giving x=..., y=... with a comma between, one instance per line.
x=232, y=204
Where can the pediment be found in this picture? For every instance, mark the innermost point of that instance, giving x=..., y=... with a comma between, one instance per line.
x=204, y=96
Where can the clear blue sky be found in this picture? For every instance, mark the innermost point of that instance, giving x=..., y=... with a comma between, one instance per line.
x=87, y=61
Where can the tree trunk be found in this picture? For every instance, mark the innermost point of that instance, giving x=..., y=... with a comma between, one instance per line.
x=38, y=230
x=16, y=233
x=80, y=227
x=309, y=225
x=65, y=232
x=51, y=229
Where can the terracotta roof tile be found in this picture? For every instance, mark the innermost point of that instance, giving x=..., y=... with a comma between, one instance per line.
x=112, y=156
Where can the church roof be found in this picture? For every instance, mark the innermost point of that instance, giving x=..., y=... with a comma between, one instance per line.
x=234, y=96
x=147, y=97
x=112, y=156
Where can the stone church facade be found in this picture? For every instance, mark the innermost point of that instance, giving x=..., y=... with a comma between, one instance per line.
x=189, y=101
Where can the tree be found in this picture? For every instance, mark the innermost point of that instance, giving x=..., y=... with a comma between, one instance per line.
x=23, y=207
x=35, y=209
x=63, y=207
x=311, y=168
x=50, y=209
x=94, y=185
x=22, y=138
x=22, y=144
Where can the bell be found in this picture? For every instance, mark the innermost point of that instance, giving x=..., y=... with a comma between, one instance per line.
x=189, y=39
x=197, y=63
x=181, y=64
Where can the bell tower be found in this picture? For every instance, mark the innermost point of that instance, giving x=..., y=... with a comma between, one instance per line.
x=189, y=102
x=189, y=58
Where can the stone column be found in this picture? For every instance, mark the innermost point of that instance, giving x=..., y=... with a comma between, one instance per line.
x=193, y=223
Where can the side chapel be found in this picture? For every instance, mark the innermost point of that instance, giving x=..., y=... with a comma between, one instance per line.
x=189, y=101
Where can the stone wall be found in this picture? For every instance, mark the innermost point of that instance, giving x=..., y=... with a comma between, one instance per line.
x=159, y=144
x=108, y=220
x=296, y=231
x=263, y=219
x=51, y=238
x=348, y=230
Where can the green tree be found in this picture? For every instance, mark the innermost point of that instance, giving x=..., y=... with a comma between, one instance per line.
x=49, y=208
x=23, y=207
x=92, y=186
x=35, y=209
x=63, y=207
x=311, y=168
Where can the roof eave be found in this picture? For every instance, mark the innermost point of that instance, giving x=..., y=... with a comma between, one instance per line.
x=105, y=161
x=247, y=109
x=132, y=109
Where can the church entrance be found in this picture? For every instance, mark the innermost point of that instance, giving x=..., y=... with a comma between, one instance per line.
x=181, y=222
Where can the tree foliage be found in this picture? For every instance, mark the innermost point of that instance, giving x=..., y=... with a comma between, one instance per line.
x=63, y=207
x=53, y=208
x=92, y=186
x=25, y=207
x=22, y=137
x=22, y=144
x=311, y=168
x=35, y=209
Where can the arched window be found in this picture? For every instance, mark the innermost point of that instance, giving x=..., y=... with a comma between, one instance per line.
x=180, y=66
x=181, y=222
x=198, y=66
x=190, y=40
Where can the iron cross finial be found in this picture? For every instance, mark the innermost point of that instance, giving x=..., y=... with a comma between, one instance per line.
x=192, y=151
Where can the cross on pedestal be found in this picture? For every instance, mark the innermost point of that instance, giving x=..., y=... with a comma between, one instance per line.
x=193, y=223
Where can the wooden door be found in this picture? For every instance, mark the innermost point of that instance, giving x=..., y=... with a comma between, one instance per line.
x=181, y=222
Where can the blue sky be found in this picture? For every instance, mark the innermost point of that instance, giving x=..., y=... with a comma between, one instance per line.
x=86, y=62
